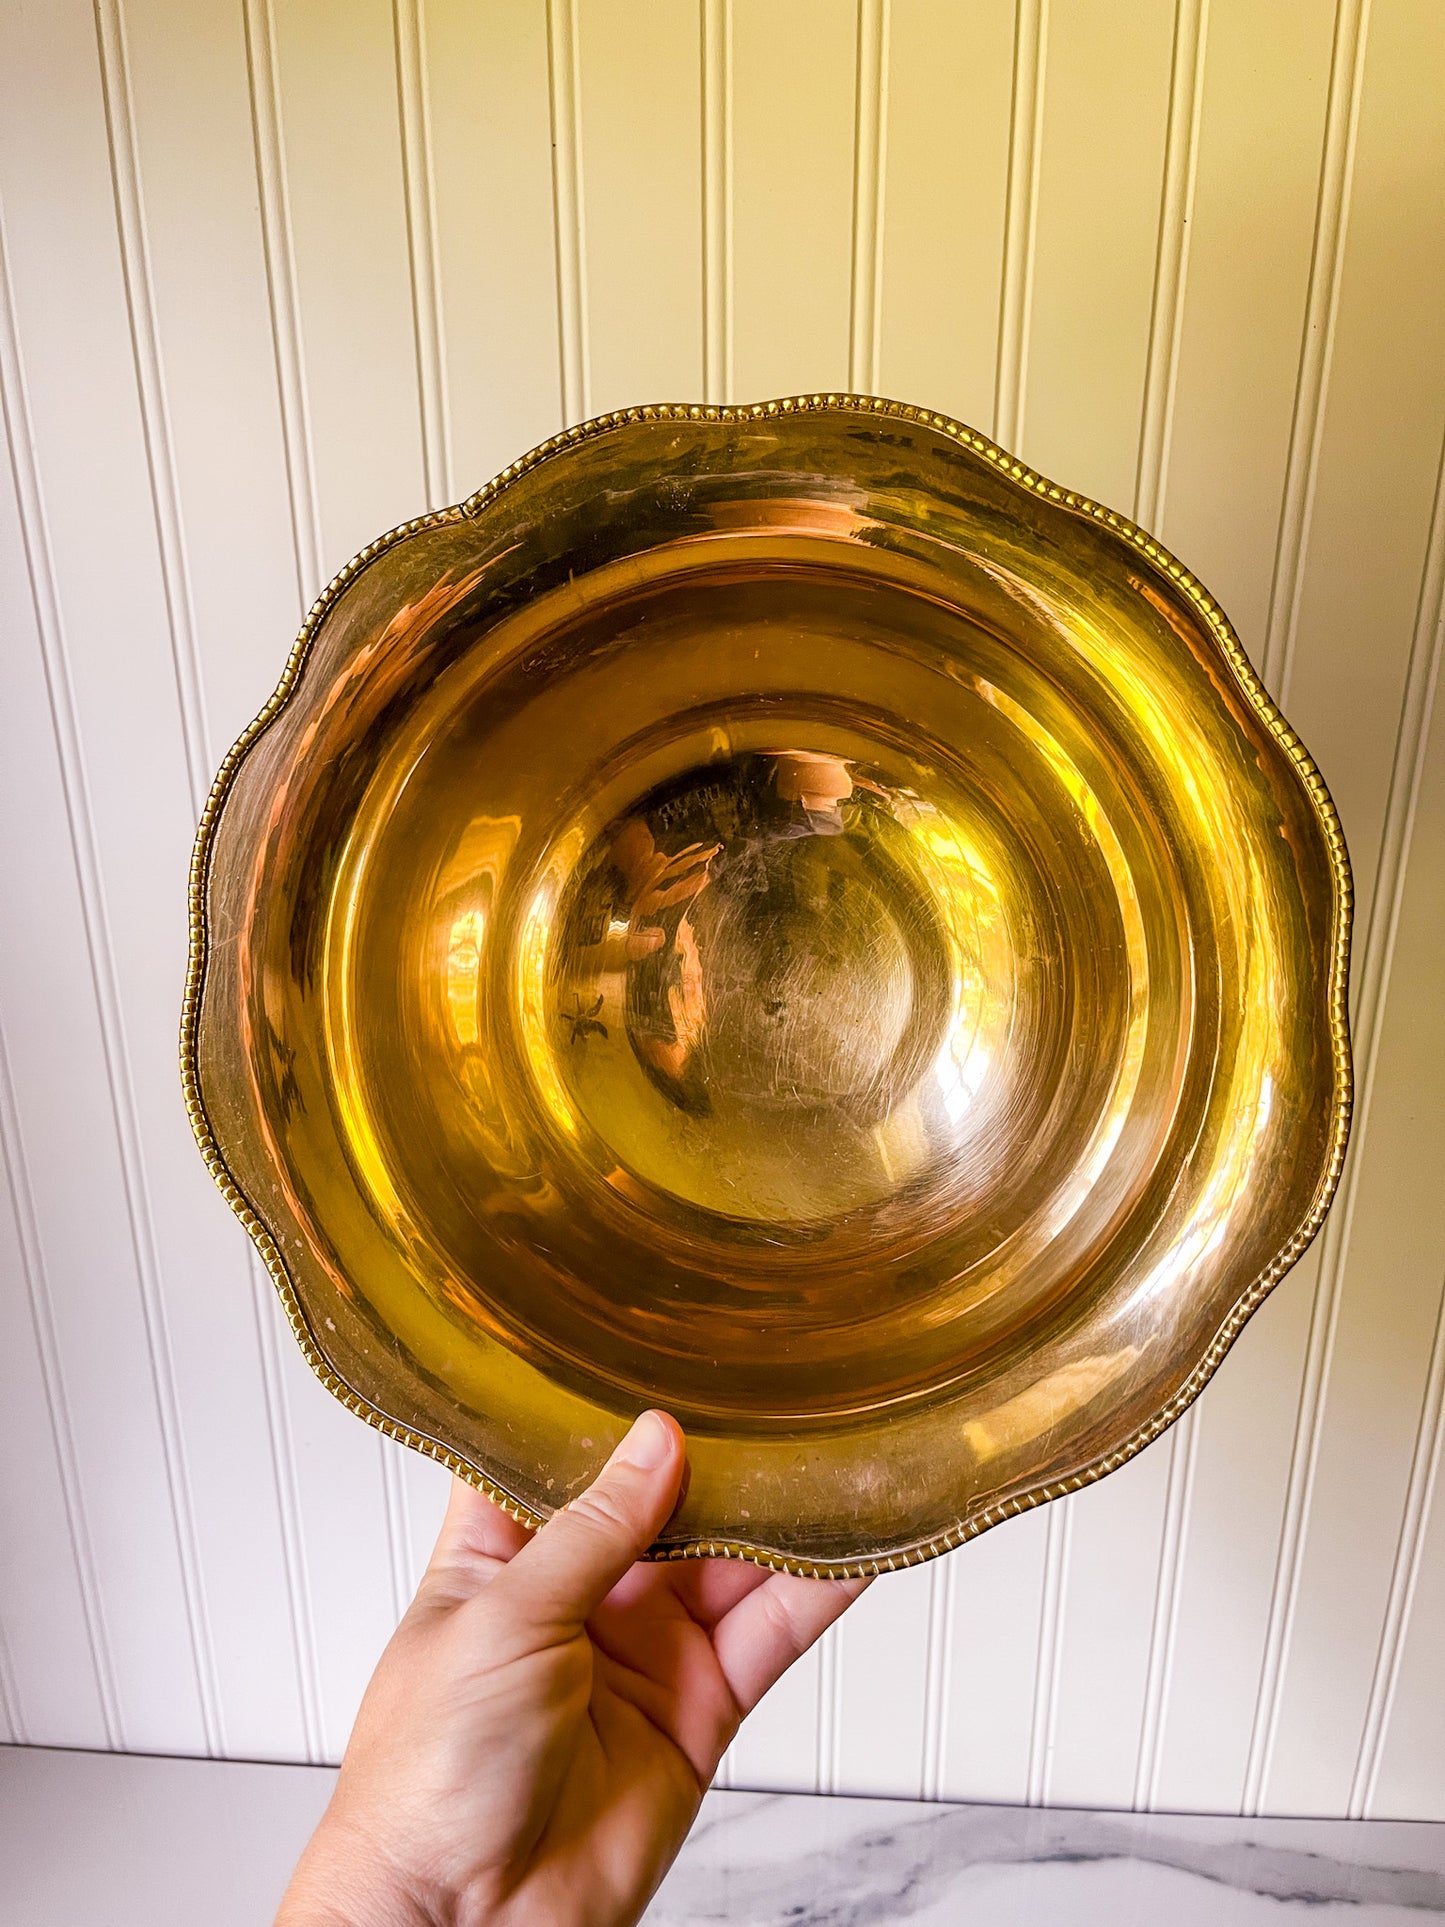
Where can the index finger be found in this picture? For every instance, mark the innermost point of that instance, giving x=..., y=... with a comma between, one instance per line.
x=773, y=1626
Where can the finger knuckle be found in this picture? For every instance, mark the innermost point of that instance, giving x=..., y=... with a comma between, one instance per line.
x=603, y=1510
x=781, y=1622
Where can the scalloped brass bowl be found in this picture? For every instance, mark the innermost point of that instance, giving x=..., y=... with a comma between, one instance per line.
x=781, y=914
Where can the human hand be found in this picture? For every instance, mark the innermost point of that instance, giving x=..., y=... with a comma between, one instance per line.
x=540, y=1731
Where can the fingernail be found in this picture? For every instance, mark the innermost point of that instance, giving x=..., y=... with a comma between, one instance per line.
x=648, y=1445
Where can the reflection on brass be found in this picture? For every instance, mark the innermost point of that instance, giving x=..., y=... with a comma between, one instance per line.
x=783, y=914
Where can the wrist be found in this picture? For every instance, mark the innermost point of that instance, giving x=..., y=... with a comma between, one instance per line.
x=344, y=1881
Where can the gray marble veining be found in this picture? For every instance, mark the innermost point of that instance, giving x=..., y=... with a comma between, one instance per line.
x=797, y=1861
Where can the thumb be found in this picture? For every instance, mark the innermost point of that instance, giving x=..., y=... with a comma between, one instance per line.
x=576, y=1559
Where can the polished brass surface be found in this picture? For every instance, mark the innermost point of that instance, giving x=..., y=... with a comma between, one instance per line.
x=783, y=914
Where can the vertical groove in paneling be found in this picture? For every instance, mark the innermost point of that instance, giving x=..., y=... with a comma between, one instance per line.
x=185, y=661
x=398, y=1526
x=830, y=1710
x=150, y=384
x=829, y=1739
x=266, y=1311
x=717, y=201
x=280, y=257
x=10, y=1714
x=1174, y=1538
x=1372, y=986
x=1342, y=117
x=1026, y=120
x=263, y=91
x=567, y=208
x=42, y=1322
x=80, y=824
x=1422, y=684
x=869, y=149
x=1176, y=206
x=1046, y=1672
x=1420, y=1497
x=938, y=1675
x=409, y=23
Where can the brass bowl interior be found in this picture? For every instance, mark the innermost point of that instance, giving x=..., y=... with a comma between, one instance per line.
x=778, y=916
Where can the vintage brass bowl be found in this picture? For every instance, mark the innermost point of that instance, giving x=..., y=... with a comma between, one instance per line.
x=783, y=914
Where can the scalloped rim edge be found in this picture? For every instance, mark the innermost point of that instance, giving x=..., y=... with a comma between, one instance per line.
x=1264, y=706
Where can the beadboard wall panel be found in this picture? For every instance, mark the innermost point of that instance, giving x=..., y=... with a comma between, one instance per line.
x=277, y=276
x=1401, y=1761
x=1367, y=540
x=1244, y=291
x=485, y=86
x=940, y=261
x=640, y=199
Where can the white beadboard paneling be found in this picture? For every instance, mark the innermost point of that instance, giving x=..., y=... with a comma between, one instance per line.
x=1171, y=259
x=1256, y=186
x=1331, y=227
x=983, y=1736
x=60, y=1673
x=1401, y=1691
x=340, y=135
x=1226, y=1563
x=280, y=278
x=870, y=150
x=11, y=1723
x=195, y=251
x=120, y=831
x=1105, y=94
x=883, y=1663
x=51, y=1637
x=491, y=148
x=792, y=180
x=346, y=1540
x=717, y=199
x=569, y=209
x=1243, y=321
x=419, y=179
x=206, y=260
x=1380, y=442
x=1163, y=1642
x=1399, y=1759
x=263, y=88
x=1382, y=1269
x=1377, y=1364
x=643, y=192
x=428, y=1486
x=1020, y=221
x=1382, y=428
x=945, y=166
x=1404, y=1771
x=1104, y=1639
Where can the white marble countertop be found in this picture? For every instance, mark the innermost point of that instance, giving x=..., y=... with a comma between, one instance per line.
x=106, y=1840
x=798, y=1861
